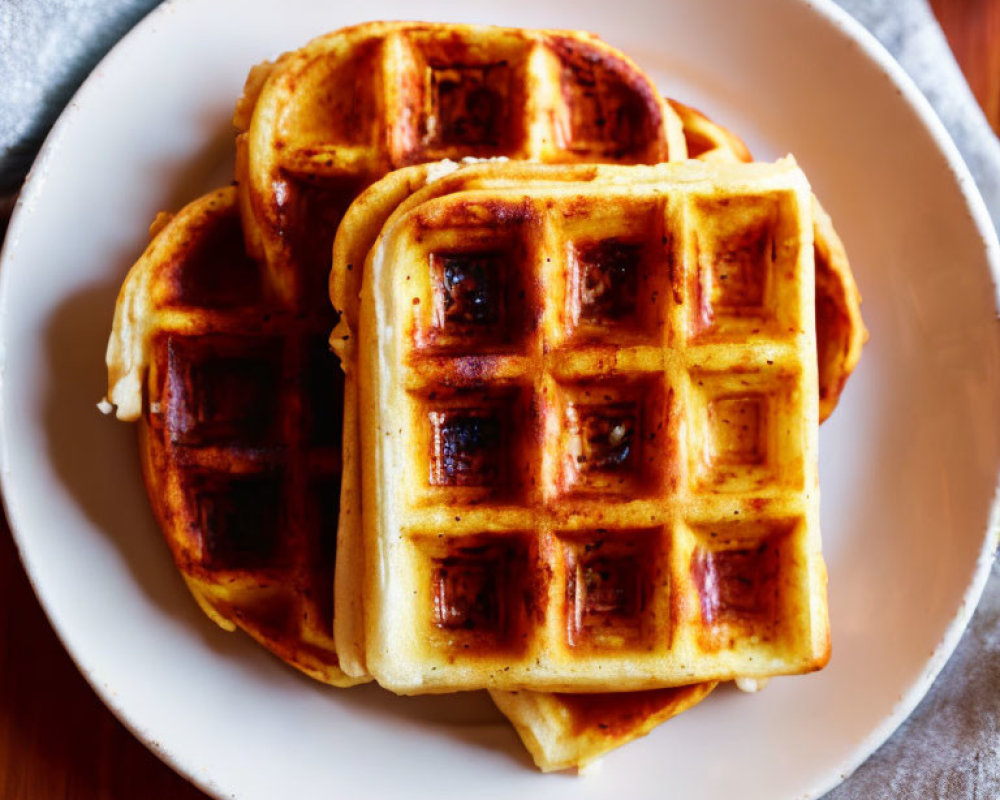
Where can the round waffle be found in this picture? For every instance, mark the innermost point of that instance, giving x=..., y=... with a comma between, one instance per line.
x=347, y=108
x=237, y=401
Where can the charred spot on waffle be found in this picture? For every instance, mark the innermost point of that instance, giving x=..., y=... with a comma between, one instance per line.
x=222, y=389
x=608, y=276
x=469, y=105
x=607, y=437
x=609, y=585
x=739, y=429
x=739, y=585
x=324, y=499
x=237, y=519
x=612, y=113
x=466, y=448
x=468, y=290
x=467, y=592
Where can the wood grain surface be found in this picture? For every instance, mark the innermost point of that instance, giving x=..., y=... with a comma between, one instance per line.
x=973, y=31
x=58, y=741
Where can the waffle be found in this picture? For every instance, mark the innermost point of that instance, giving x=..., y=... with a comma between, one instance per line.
x=236, y=395
x=327, y=120
x=532, y=537
x=840, y=331
x=560, y=731
x=564, y=731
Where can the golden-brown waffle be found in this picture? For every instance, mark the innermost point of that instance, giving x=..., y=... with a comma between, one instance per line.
x=505, y=431
x=560, y=731
x=237, y=399
x=840, y=331
x=330, y=118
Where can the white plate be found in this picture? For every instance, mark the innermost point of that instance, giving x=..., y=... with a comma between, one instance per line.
x=909, y=461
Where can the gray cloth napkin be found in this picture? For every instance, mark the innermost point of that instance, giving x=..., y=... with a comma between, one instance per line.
x=949, y=748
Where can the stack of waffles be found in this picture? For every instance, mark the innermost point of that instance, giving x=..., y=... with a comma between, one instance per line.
x=561, y=442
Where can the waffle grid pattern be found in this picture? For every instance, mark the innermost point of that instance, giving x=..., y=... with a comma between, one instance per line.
x=544, y=552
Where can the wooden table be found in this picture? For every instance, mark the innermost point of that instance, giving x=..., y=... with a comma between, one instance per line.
x=58, y=741
x=973, y=31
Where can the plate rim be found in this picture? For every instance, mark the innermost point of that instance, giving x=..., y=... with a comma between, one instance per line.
x=833, y=16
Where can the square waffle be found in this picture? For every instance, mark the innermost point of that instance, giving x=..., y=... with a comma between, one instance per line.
x=840, y=331
x=560, y=730
x=609, y=481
